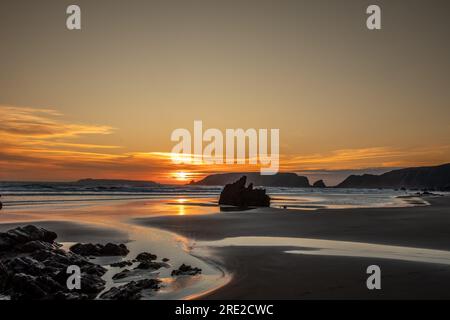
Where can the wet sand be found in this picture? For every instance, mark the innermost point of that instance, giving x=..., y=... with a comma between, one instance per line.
x=74, y=232
x=110, y=222
x=271, y=273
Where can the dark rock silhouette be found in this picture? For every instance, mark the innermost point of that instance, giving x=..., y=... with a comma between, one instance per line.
x=282, y=179
x=319, y=184
x=186, y=270
x=131, y=290
x=34, y=267
x=427, y=178
x=122, y=264
x=151, y=265
x=145, y=257
x=122, y=274
x=110, y=249
x=236, y=194
x=18, y=237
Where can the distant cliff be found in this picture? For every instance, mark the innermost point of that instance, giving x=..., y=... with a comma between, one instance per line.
x=437, y=178
x=291, y=180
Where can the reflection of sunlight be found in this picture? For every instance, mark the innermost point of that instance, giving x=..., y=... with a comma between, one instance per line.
x=181, y=207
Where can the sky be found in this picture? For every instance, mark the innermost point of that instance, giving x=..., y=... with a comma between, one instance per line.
x=102, y=102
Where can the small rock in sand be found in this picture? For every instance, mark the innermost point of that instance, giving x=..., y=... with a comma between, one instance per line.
x=151, y=265
x=121, y=264
x=145, y=257
x=97, y=250
x=186, y=270
x=123, y=274
x=131, y=290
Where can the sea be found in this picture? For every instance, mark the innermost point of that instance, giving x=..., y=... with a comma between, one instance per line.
x=15, y=195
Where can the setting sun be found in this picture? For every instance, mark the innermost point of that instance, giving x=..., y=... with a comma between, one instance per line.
x=181, y=176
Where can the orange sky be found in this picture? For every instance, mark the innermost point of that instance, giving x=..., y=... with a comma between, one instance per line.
x=37, y=144
x=102, y=102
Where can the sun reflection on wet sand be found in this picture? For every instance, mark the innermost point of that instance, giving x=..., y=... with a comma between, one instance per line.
x=164, y=244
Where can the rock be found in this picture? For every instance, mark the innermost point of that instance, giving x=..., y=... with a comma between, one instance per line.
x=121, y=264
x=26, y=288
x=31, y=233
x=93, y=269
x=4, y=275
x=87, y=249
x=165, y=259
x=32, y=266
x=236, y=194
x=109, y=249
x=91, y=284
x=150, y=265
x=37, y=245
x=25, y=265
x=6, y=243
x=21, y=235
x=186, y=270
x=280, y=179
x=319, y=184
x=49, y=285
x=70, y=296
x=145, y=257
x=123, y=274
x=131, y=290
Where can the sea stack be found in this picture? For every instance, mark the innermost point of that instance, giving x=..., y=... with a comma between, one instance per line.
x=319, y=184
x=238, y=195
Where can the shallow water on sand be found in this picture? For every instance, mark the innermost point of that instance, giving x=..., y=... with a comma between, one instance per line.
x=336, y=248
x=100, y=214
x=164, y=244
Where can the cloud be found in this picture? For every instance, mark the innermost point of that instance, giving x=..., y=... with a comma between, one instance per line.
x=363, y=158
x=20, y=122
x=36, y=144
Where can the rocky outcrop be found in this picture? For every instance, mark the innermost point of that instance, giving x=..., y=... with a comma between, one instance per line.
x=122, y=274
x=430, y=178
x=282, y=179
x=18, y=237
x=151, y=265
x=96, y=250
x=34, y=267
x=132, y=290
x=186, y=270
x=238, y=195
x=122, y=264
x=319, y=184
x=145, y=257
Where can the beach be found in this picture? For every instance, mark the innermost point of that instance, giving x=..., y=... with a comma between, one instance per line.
x=268, y=272
x=265, y=253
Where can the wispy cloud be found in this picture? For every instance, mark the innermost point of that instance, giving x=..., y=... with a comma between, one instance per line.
x=20, y=122
x=38, y=144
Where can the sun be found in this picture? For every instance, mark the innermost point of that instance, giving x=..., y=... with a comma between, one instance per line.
x=181, y=176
